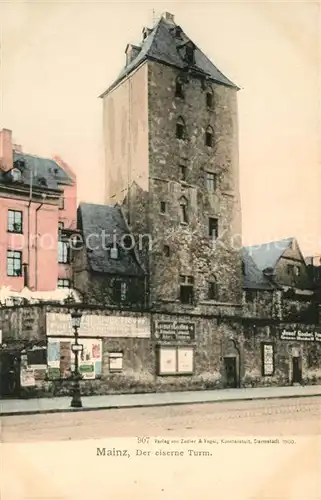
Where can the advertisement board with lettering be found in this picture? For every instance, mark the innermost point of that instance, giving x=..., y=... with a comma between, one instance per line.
x=267, y=359
x=92, y=325
x=175, y=330
x=300, y=335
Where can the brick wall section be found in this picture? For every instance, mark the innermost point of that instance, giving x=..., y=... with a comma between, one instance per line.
x=191, y=248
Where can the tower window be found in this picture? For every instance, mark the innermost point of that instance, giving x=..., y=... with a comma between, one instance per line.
x=183, y=172
x=166, y=250
x=209, y=135
x=179, y=91
x=213, y=290
x=180, y=128
x=163, y=207
x=183, y=211
x=211, y=182
x=213, y=228
x=186, y=289
x=209, y=98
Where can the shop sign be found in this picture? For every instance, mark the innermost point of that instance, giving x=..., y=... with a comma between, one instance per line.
x=300, y=336
x=59, y=325
x=174, y=330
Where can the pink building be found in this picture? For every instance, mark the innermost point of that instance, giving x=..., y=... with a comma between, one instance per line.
x=38, y=206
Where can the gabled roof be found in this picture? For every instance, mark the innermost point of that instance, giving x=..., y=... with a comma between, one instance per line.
x=266, y=255
x=253, y=278
x=161, y=45
x=103, y=226
x=42, y=172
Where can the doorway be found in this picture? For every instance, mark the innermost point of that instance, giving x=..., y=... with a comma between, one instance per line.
x=296, y=370
x=230, y=372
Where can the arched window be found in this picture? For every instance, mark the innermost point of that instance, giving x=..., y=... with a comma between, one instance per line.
x=213, y=291
x=209, y=98
x=179, y=89
x=209, y=136
x=180, y=128
x=183, y=205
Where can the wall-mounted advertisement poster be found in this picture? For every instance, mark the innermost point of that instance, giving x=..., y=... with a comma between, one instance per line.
x=167, y=361
x=61, y=359
x=267, y=359
x=176, y=360
x=27, y=374
x=185, y=360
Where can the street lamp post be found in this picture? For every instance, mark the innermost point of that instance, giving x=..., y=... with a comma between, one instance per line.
x=76, y=348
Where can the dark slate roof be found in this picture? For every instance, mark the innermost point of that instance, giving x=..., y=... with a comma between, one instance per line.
x=106, y=224
x=46, y=173
x=162, y=46
x=253, y=278
x=266, y=255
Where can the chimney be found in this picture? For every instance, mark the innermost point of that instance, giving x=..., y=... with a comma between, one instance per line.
x=168, y=17
x=131, y=52
x=6, y=154
x=146, y=32
x=17, y=148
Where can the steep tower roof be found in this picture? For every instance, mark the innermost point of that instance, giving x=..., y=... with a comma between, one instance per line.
x=166, y=43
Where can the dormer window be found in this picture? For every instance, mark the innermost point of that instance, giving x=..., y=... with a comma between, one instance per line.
x=42, y=182
x=179, y=90
x=16, y=174
x=190, y=54
x=178, y=32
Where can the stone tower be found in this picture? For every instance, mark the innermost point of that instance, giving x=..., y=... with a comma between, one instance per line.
x=171, y=149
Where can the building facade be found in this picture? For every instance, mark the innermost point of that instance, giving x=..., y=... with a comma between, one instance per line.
x=170, y=299
x=38, y=203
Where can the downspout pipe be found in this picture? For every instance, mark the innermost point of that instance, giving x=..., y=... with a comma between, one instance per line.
x=28, y=243
x=36, y=244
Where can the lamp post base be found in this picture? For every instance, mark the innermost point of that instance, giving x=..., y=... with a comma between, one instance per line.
x=76, y=403
x=76, y=398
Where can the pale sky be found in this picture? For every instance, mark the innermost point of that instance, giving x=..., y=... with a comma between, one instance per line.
x=57, y=57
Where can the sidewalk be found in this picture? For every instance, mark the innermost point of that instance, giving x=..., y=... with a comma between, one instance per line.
x=114, y=401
